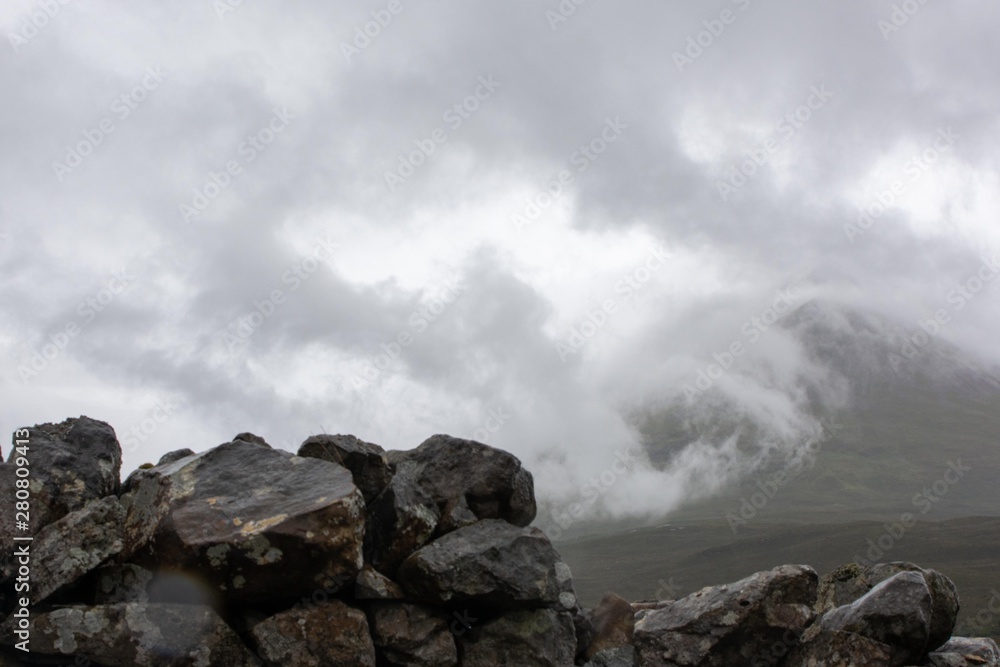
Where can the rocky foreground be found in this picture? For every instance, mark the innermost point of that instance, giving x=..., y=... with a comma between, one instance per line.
x=350, y=555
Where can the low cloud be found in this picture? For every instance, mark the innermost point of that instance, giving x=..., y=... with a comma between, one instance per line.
x=589, y=132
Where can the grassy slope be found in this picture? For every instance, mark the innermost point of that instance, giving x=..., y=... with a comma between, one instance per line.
x=643, y=563
x=897, y=440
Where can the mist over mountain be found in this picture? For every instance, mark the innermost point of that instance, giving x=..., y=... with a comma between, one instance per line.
x=723, y=276
x=905, y=466
x=303, y=228
x=856, y=417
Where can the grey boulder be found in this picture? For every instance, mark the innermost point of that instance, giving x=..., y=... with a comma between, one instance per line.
x=70, y=464
x=729, y=625
x=536, y=638
x=329, y=633
x=944, y=598
x=896, y=612
x=409, y=635
x=122, y=583
x=623, y=656
x=258, y=524
x=138, y=635
x=966, y=652
x=490, y=564
x=849, y=582
x=827, y=647
x=612, y=624
x=465, y=476
x=441, y=486
x=367, y=461
x=371, y=584
x=76, y=544
x=400, y=520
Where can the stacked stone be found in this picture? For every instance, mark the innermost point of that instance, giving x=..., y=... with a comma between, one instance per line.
x=245, y=555
x=348, y=555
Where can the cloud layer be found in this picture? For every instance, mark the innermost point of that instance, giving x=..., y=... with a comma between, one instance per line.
x=523, y=223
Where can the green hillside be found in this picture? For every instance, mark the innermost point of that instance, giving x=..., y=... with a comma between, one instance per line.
x=674, y=560
x=896, y=438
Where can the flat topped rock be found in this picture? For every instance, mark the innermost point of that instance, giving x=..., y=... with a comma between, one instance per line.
x=259, y=524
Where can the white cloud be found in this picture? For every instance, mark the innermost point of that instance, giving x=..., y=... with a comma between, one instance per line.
x=323, y=178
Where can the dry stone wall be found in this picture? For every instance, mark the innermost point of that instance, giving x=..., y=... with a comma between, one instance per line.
x=345, y=554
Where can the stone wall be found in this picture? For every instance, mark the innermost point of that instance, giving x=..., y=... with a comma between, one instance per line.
x=350, y=555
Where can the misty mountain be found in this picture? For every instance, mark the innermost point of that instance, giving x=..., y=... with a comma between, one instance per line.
x=907, y=468
x=916, y=407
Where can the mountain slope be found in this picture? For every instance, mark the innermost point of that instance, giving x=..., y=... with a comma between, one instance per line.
x=908, y=469
x=908, y=422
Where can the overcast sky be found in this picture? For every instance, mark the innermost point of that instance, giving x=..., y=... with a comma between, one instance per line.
x=514, y=221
